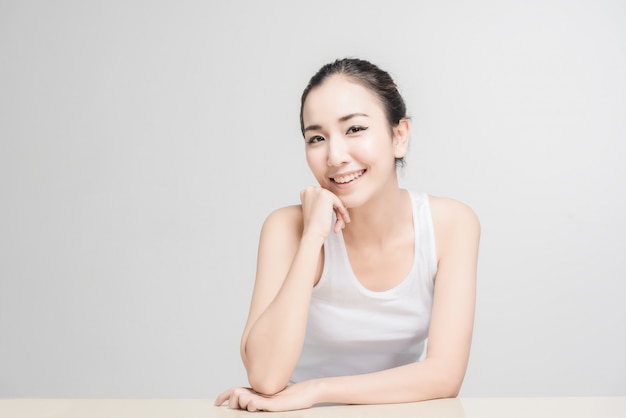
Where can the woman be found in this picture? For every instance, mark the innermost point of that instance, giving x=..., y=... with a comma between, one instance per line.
x=352, y=283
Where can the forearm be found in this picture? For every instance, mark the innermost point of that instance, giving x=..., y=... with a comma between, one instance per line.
x=273, y=344
x=429, y=379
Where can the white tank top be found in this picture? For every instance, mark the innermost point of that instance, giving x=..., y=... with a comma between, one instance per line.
x=354, y=330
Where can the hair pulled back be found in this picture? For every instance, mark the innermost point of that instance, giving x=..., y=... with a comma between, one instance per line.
x=369, y=76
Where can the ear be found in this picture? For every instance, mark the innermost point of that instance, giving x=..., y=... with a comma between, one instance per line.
x=401, y=138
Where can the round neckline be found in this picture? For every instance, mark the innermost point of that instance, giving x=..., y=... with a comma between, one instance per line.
x=400, y=285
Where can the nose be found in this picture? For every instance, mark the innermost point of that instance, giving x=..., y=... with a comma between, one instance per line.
x=337, y=151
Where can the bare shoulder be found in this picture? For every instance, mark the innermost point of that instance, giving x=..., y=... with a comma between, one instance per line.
x=282, y=230
x=278, y=243
x=450, y=211
x=453, y=221
x=286, y=220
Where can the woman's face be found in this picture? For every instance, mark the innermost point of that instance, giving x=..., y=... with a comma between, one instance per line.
x=350, y=147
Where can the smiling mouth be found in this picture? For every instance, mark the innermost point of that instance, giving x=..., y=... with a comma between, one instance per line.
x=348, y=178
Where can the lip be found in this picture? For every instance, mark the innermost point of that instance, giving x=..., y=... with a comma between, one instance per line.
x=351, y=182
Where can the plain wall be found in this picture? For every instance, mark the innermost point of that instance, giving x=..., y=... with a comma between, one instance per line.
x=143, y=143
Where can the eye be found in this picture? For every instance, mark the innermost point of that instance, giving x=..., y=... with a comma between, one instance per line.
x=314, y=139
x=355, y=129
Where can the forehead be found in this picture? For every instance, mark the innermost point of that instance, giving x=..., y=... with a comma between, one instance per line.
x=338, y=96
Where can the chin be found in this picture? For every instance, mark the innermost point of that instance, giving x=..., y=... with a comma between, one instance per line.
x=353, y=201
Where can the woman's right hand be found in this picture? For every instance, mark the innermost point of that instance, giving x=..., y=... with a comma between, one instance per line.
x=318, y=205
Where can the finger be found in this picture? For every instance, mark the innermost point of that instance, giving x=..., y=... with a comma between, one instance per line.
x=304, y=192
x=250, y=407
x=339, y=224
x=222, y=397
x=235, y=400
x=343, y=218
x=243, y=400
x=340, y=209
x=256, y=404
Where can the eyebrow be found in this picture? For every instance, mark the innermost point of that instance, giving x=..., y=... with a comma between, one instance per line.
x=341, y=119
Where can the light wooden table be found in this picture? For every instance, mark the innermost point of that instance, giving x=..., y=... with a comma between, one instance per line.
x=582, y=407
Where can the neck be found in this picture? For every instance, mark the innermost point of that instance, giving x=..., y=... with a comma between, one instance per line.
x=380, y=218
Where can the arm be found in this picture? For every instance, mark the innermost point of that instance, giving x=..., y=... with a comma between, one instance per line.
x=274, y=333
x=457, y=233
x=288, y=265
x=440, y=375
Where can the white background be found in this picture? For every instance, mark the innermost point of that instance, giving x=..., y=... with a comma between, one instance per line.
x=142, y=144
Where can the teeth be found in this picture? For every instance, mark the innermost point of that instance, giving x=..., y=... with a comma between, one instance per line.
x=348, y=178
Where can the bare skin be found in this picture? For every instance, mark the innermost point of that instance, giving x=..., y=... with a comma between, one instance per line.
x=351, y=150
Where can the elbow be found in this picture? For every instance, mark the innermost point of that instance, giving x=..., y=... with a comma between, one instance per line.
x=449, y=387
x=266, y=385
x=445, y=378
x=263, y=378
x=451, y=390
x=442, y=390
x=445, y=383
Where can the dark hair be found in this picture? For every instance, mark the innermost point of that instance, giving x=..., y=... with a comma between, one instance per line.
x=369, y=76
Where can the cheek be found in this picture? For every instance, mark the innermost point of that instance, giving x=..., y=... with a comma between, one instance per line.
x=316, y=160
x=375, y=147
x=310, y=158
